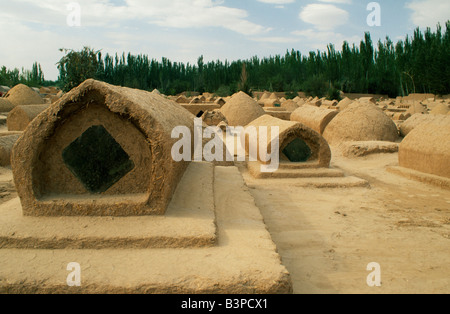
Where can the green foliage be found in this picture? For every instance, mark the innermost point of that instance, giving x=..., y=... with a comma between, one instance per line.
x=224, y=91
x=292, y=89
x=32, y=78
x=316, y=86
x=291, y=95
x=419, y=63
x=77, y=66
x=35, y=77
x=334, y=94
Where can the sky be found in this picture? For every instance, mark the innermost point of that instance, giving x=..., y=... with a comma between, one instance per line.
x=182, y=30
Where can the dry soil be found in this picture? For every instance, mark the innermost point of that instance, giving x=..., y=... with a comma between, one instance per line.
x=327, y=237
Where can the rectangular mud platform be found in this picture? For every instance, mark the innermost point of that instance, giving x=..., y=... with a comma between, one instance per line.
x=441, y=182
x=188, y=222
x=308, y=174
x=241, y=258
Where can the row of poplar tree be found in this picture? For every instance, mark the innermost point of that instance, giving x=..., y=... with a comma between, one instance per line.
x=419, y=63
x=33, y=77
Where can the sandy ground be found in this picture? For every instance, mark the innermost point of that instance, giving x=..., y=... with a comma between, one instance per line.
x=327, y=237
x=243, y=261
x=7, y=187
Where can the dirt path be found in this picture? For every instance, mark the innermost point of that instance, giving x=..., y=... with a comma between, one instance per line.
x=7, y=188
x=327, y=237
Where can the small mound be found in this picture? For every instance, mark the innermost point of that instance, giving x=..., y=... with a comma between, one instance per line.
x=265, y=96
x=196, y=100
x=22, y=95
x=414, y=121
x=400, y=116
x=213, y=118
x=273, y=96
x=6, y=144
x=289, y=105
x=54, y=90
x=241, y=109
x=344, y=103
x=426, y=148
x=361, y=122
x=182, y=100
x=329, y=103
x=417, y=108
x=367, y=99
x=314, y=117
x=5, y=105
x=299, y=101
x=361, y=149
x=52, y=98
x=44, y=90
x=21, y=116
x=314, y=102
x=440, y=109
x=297, y=142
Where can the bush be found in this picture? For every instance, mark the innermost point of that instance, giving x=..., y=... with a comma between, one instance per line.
x=316, y=86
x=291, y=95
x=334, y=94
x=77, y=66
x=224, y=91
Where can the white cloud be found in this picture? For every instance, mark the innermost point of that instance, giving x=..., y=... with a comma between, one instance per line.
x=277, y=1
x=165, y=13
x=276, y=40
x=324, y=16
x=37, y=29
x=337, y=1
x=180, y=30
x=24, y=46
x=427, y=13
x=320, y=39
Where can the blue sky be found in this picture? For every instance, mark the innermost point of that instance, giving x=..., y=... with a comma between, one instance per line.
x=182, y=30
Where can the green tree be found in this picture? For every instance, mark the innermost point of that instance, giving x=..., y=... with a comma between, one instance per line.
x=417, y=63
x=77, y=66
x=316, y=86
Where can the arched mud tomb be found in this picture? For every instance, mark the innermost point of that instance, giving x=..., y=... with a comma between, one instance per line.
x=297, y=142
x=83, y=155
x=101, y=150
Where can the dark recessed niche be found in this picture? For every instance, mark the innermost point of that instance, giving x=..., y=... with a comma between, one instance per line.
x=97, y=160
x=297, y=151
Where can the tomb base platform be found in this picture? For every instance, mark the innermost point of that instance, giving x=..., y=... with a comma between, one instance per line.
x=411, y=174
x=308, y=174
x=188, y=222
x=233, y=253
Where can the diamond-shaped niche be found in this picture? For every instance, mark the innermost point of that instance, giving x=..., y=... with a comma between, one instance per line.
x=297, y=151
x=97, y=160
